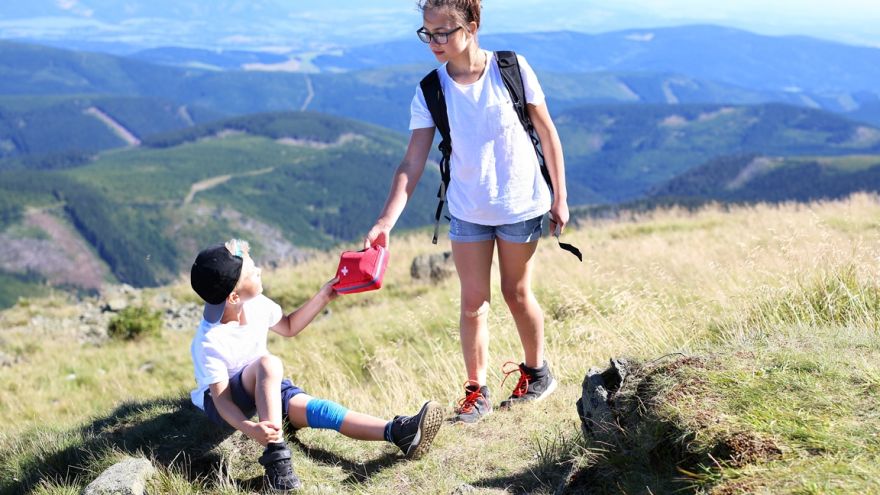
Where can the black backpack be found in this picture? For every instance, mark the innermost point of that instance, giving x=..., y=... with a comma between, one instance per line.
x=436, y=101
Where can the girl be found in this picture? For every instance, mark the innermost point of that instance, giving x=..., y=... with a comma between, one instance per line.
x=497, y=195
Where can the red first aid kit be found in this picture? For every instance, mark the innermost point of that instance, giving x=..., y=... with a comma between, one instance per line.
x=361, y=271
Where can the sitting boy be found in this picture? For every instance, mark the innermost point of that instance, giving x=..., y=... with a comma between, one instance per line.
x=237, y=376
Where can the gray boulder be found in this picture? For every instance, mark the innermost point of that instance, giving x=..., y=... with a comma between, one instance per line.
x=128, y=477
x=597, y=397
x=433, y=267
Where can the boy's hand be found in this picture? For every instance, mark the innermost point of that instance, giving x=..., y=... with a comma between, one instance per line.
x=328, y=291
x=263, y=432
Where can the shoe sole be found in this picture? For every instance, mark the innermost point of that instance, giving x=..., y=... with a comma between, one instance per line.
x=431, y=420
x=509, y=403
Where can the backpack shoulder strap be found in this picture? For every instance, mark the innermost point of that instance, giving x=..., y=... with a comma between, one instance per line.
x=436, y=101
x=508, y=64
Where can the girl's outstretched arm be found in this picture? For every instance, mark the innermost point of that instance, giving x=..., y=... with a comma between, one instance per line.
x=402, y=185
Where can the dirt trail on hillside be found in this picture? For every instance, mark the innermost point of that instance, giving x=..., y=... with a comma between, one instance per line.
x=213, y=182
x=115, y=126
x=65, y=258
x=310, y=96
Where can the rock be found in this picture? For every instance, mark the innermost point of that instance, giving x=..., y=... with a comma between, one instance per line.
x=128, y=477
x=594, y=406
x=436, y=267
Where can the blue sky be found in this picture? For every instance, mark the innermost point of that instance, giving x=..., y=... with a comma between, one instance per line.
x=303, y=23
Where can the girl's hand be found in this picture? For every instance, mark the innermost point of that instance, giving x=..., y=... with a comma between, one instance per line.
x=263, y=432
x=558, y=217
x=378, y=235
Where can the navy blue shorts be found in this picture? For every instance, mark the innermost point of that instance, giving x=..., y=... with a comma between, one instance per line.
x=245, y=402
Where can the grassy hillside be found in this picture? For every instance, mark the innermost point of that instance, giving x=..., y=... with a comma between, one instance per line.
x=780, y=351
x=43, y=125
x=292, y=181
x=750, y=178
x=621, y=151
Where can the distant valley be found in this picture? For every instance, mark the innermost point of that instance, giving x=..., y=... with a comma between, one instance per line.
x=116, y=168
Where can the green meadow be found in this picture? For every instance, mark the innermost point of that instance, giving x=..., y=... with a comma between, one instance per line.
x=753, y=331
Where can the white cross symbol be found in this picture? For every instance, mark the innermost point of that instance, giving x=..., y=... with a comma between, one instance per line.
x=344, y=271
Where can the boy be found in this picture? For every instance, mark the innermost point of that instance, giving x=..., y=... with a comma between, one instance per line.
x=237, y=376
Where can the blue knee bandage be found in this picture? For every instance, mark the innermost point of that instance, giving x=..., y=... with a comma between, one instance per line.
x=322, y=413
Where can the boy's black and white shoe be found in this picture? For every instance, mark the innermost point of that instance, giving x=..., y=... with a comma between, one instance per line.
x=279, y=471
x=534, y=384
x=413, y=434
x=475, y=404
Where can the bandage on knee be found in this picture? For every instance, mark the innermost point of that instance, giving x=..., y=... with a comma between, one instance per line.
x=483, y=309
x=325, y=414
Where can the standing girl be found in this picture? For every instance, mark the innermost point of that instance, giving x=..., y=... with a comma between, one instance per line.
x=497, y=195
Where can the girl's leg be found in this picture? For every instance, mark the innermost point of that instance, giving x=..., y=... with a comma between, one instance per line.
x=516, y=260
x=473, y=262
x=261, y=380
x=354, y=424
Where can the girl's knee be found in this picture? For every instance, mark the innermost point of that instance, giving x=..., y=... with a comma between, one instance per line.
x=475, y=309
x=516, y=295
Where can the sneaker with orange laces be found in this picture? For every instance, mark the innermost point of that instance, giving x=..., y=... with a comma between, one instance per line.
x=534, y=384
x=475, y=404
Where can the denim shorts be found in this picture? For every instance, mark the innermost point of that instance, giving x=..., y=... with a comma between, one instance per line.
x=520, y=232
x=247, y=403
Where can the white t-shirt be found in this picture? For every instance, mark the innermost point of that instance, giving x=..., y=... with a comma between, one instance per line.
x=220, y=350
x=495, y=177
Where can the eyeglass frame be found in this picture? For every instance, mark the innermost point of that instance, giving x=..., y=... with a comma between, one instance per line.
x=434, y=36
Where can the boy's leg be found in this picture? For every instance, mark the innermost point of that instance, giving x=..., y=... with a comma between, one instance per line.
x=412, y=434
x=262, y=380
x=354, y=425
x=535, y=380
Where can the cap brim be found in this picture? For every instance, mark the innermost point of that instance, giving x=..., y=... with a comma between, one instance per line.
x=214, y=312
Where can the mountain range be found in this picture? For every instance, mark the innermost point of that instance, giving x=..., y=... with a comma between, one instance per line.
x=112, y=167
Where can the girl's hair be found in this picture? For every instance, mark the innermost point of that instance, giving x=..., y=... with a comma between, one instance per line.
x=464, y=11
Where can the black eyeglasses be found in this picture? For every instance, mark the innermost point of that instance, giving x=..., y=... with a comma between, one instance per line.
x=439, y=38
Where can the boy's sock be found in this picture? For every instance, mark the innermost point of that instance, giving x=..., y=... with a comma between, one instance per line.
x=388, y=437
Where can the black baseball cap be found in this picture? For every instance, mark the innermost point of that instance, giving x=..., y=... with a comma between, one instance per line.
x=214, y=276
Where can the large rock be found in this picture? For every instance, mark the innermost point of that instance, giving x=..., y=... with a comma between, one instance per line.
x=597, y=397
x=434, y=267
x=128, y=477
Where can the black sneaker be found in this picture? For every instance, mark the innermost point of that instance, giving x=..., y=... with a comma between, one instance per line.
x=414, y=434
x=279, y=471
x=534, y=384
x=474, y=406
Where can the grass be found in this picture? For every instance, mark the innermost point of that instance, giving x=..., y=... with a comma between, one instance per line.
x=776, y=305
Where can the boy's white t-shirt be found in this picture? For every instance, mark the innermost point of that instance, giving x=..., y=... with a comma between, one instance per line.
x=495, y=176
x=220, y=350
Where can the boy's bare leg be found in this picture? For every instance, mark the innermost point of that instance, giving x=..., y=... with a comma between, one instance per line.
x=473, y=262
x=515, y=261
x=262, y=380
x=358, y=426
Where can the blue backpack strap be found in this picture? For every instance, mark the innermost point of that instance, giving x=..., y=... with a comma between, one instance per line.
x=512, y=77
x=436, y=102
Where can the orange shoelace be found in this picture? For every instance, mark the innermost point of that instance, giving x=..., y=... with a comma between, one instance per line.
x=522, y=385
x=466, y=405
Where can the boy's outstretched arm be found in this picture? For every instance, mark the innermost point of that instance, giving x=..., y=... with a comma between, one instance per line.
x=263, y=432
x=295, y=322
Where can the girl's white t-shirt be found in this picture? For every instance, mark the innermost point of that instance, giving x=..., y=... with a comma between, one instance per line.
x=495, y=176
x=220, y=350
